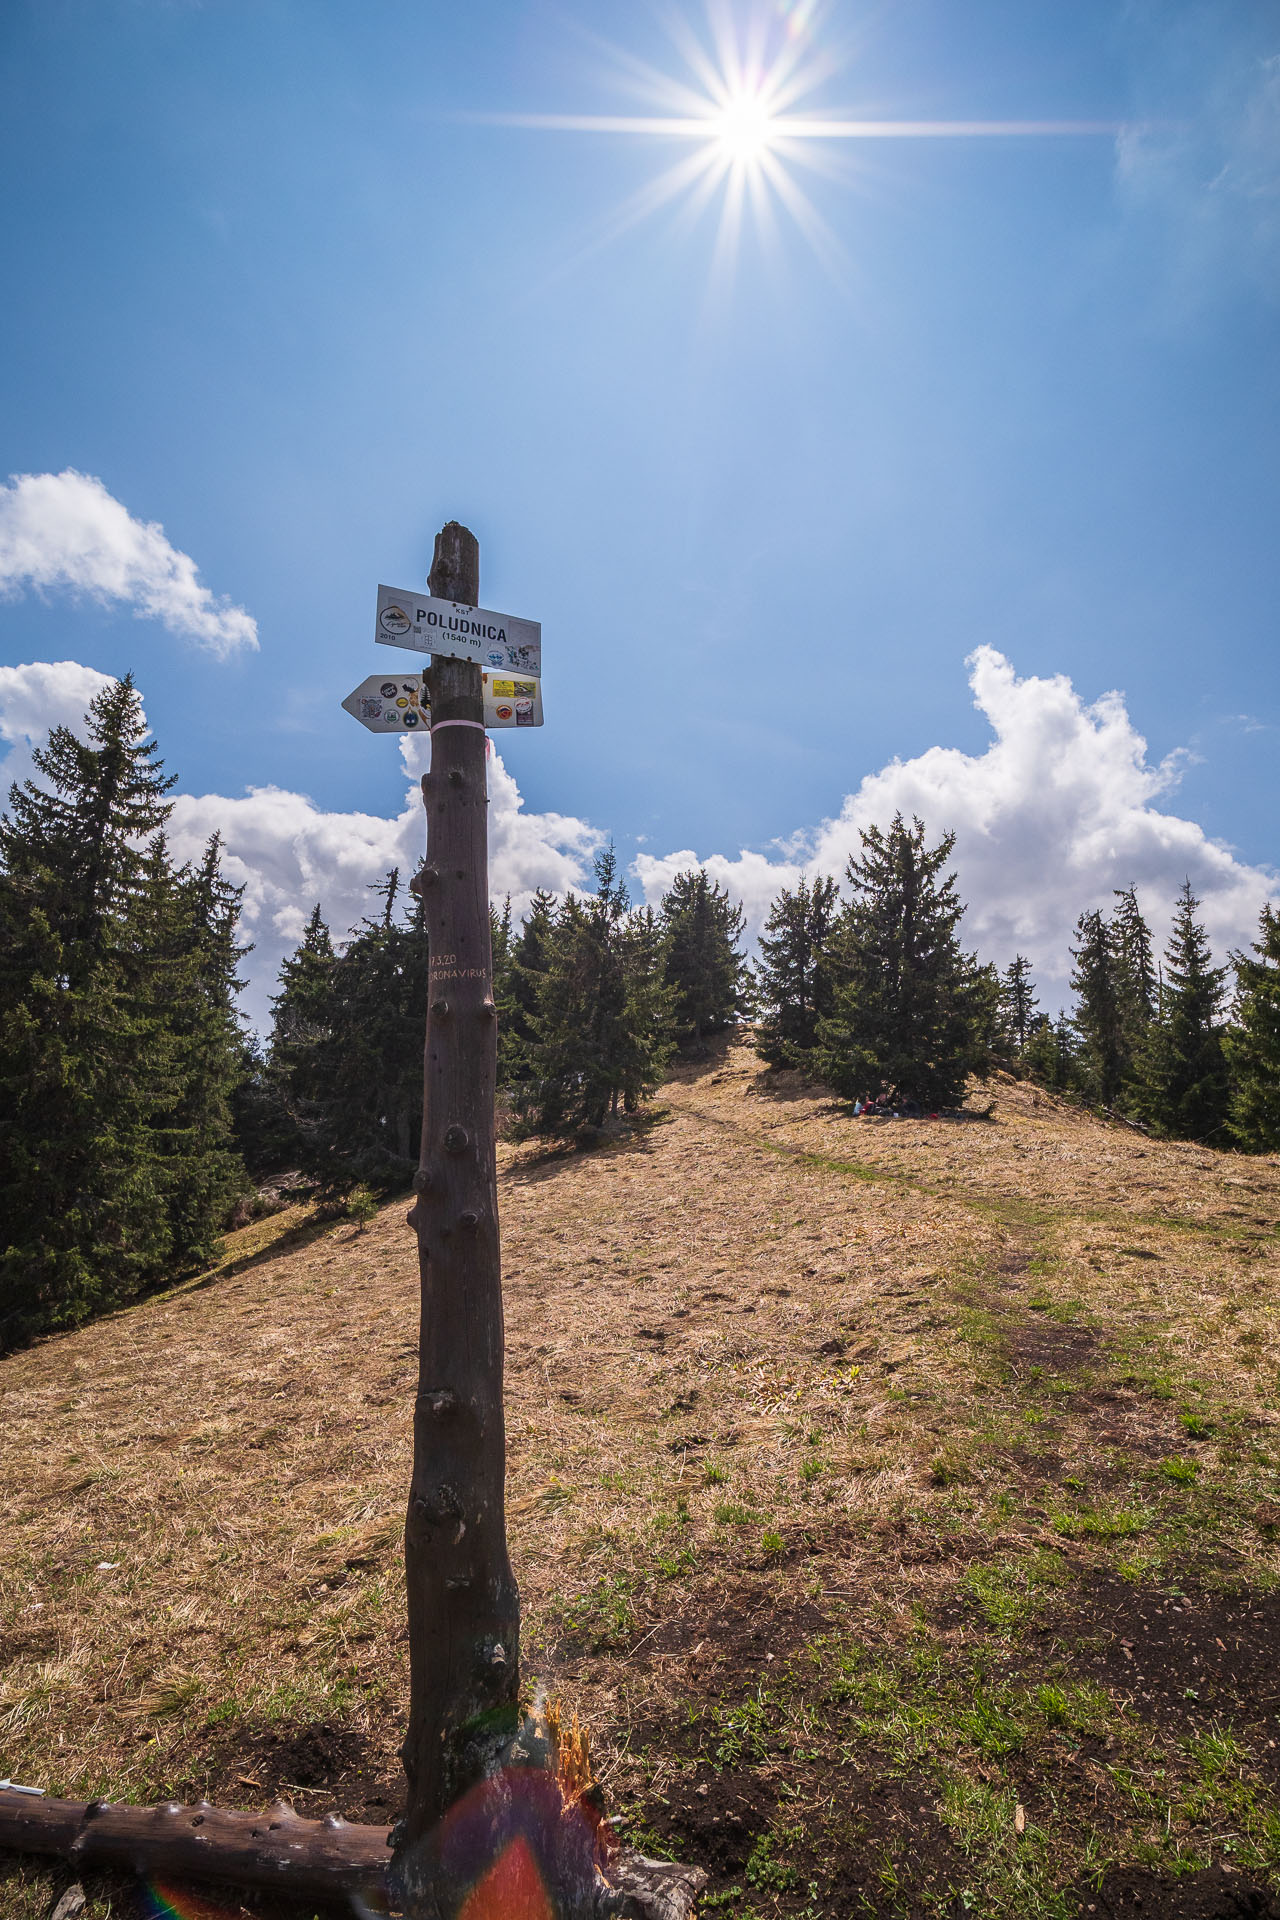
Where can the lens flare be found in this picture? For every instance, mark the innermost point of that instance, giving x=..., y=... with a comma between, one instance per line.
x=744, y=117
x=512, y=1889
x=744, y=129
x=167, y=1901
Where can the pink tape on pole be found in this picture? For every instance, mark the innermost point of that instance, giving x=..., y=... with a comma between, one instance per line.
x=457, y=723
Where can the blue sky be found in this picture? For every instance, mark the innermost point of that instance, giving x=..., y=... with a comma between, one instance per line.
x=278, y=285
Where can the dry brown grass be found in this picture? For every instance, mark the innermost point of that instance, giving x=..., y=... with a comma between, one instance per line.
x=778, y=1381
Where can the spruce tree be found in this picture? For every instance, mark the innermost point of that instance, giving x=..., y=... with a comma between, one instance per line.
x=704, y=964
x=1101, y=1053
x=793, y=977
x=992, y=1045
x=501, y=941
x=601, y=1024
x=1135, y=970
x=1254, y=1041
x=650, y=1020
x=910, y=1008
x=530, y=956
x=347, y=1045
x=301, y=1020
x=1018, y=1004
x=86, y=1057
x=1050, y=1055
x=206, y=1173
x=1137, y=994
x=1187, y=1089
x=372, y=1121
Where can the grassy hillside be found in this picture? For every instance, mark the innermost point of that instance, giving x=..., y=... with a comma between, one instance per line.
x=897, y=1502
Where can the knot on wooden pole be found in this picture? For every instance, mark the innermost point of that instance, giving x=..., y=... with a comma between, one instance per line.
x=438, y=1506
x=439, y=1401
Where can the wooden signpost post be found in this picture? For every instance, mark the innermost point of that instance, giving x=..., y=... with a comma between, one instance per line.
x=464, y=1610
x=472, y=1762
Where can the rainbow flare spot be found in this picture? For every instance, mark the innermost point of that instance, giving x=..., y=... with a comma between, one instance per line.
x=168, y=1901
x=512, y=1889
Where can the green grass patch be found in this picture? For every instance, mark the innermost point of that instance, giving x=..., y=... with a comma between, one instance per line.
x=1100, y=1523
x=1181, y=1471
x=603, y=1615
x=732, y=1513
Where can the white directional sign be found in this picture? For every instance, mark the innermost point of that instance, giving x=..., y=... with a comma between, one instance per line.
x=497, y=641
x=385, y=705
x=511, y=702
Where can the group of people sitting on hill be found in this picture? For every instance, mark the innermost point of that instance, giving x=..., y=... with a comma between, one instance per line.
x=887, y=1106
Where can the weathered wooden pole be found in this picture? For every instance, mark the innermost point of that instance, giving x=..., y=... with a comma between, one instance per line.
x=464, y=1608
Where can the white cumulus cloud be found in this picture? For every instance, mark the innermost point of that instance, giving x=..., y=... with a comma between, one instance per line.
x=1061, y=807
x=65, y=530
x=288, y=853
x=1059, y=810
x=33, y=700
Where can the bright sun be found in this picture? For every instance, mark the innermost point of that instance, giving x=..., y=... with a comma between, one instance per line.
x=741, y=121
x=744, y=129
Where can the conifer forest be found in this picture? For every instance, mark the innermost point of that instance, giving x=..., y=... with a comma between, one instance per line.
x=140, y=1117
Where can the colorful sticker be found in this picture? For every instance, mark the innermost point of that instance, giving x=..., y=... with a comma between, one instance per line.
x=503, y=712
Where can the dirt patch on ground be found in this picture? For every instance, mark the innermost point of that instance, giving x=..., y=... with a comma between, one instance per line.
x=1186, y=1658
x=742, y=1639
x=321, y=1767
x=1133, y=1893
x=716, y=1820
x=1051, y=1346
x=854, y=1851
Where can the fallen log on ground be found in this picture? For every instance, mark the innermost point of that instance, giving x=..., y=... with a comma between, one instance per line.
x=329, y=1859
x=325, y=1858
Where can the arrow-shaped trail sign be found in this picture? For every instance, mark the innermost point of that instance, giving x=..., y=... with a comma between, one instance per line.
x=388, y=705
x=497, y=641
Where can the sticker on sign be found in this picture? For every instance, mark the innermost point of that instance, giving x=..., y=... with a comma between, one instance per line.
x=385, y=705
x=497, y=641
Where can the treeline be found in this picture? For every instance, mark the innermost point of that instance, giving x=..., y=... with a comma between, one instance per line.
x=874, y=994
x=1189, y=1048
x=593, y=996
x=120, y=1049
x=135, y=1113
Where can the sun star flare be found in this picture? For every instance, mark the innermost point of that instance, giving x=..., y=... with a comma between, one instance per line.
x=743, y=119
